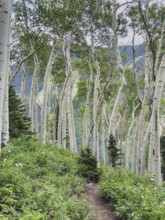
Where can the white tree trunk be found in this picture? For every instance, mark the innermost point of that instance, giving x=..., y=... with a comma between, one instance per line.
x=95, y=117
x=159, y=83
x=36, y=109
x=23, y=84
x=51, y=61
x=145, y=141
x=72, y=134
x=5, y=14
x=103, y=134
x=5, y=119
x=128, y=137
x=122, y=75
x=55, y=120
x=86, y=119
x=32, y=92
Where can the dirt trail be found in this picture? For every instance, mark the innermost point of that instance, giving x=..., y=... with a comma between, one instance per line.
x=102, y=209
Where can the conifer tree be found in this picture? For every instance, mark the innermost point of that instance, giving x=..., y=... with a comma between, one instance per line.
x=19, y=123
x=114, y=153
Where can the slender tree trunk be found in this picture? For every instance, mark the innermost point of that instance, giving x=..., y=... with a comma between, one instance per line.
x=95, y=117
x=86, y=119
x=23, y=84
x=31, y=104
x=122, y=75
x=51, y=61
x=123, y=128
x=5, y=14
x=103, y=134
x=36, y=109
x=5, y=119
x=55, y=121
x=128, y=137
x=159, y=83
x=135, y=151
x=145, y=141
x=72, y=133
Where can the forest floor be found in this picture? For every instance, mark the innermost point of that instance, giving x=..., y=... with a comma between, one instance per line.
x=102, y=209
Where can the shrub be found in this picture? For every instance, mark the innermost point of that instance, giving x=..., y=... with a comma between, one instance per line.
x=87, y=165
x=133, y=197
x=40, y=183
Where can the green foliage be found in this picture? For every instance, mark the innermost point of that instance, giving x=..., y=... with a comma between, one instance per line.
x=88, y=165
x=40, y=183
x=19, y=123
x=162, y=149
x=133, y=197
x=114, y=152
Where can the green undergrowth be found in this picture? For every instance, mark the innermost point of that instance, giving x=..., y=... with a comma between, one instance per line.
x=40, y=183
x=133, y=197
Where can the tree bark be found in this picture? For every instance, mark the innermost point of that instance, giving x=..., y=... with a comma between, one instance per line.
x=51, y=61
x=32, y=92
x=5, y=15
x=122, y=75
x=155, y=124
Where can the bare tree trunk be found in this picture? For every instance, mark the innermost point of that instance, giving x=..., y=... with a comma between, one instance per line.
x=23, y=84
x=122, y=75
x=72, y=133
x=51, y=61
x=5, y=14
x=159, y=83
x=128, y=137
x=31, y=104
x=86, y=119
x=55, y=121
x=103, y=134
x=5, y=119
x=146, y=138
x=135, y=151
x=36, y=109
x=123, y=128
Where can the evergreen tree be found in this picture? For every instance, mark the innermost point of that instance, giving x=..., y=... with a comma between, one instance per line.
x=114, y=153
x=88, y=165
x=19, y=123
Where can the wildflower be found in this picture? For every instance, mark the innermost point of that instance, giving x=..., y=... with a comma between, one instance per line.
x=16, y=164
x=62, y=209
x=9, y=151
x=20, y=164
x=164, y=202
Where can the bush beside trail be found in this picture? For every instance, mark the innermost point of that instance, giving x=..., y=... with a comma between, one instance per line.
x=40, y=183
x=134, y=197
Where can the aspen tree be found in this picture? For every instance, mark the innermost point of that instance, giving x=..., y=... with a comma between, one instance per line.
x=36, y=109
x=103, y=134
x=51, y=61
x=23, y=83
x=122, y=75
x=5, y=14
x=155, y=118
x=86, y=119
x=145, y=141
x=127, y=153
x=32, y=92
